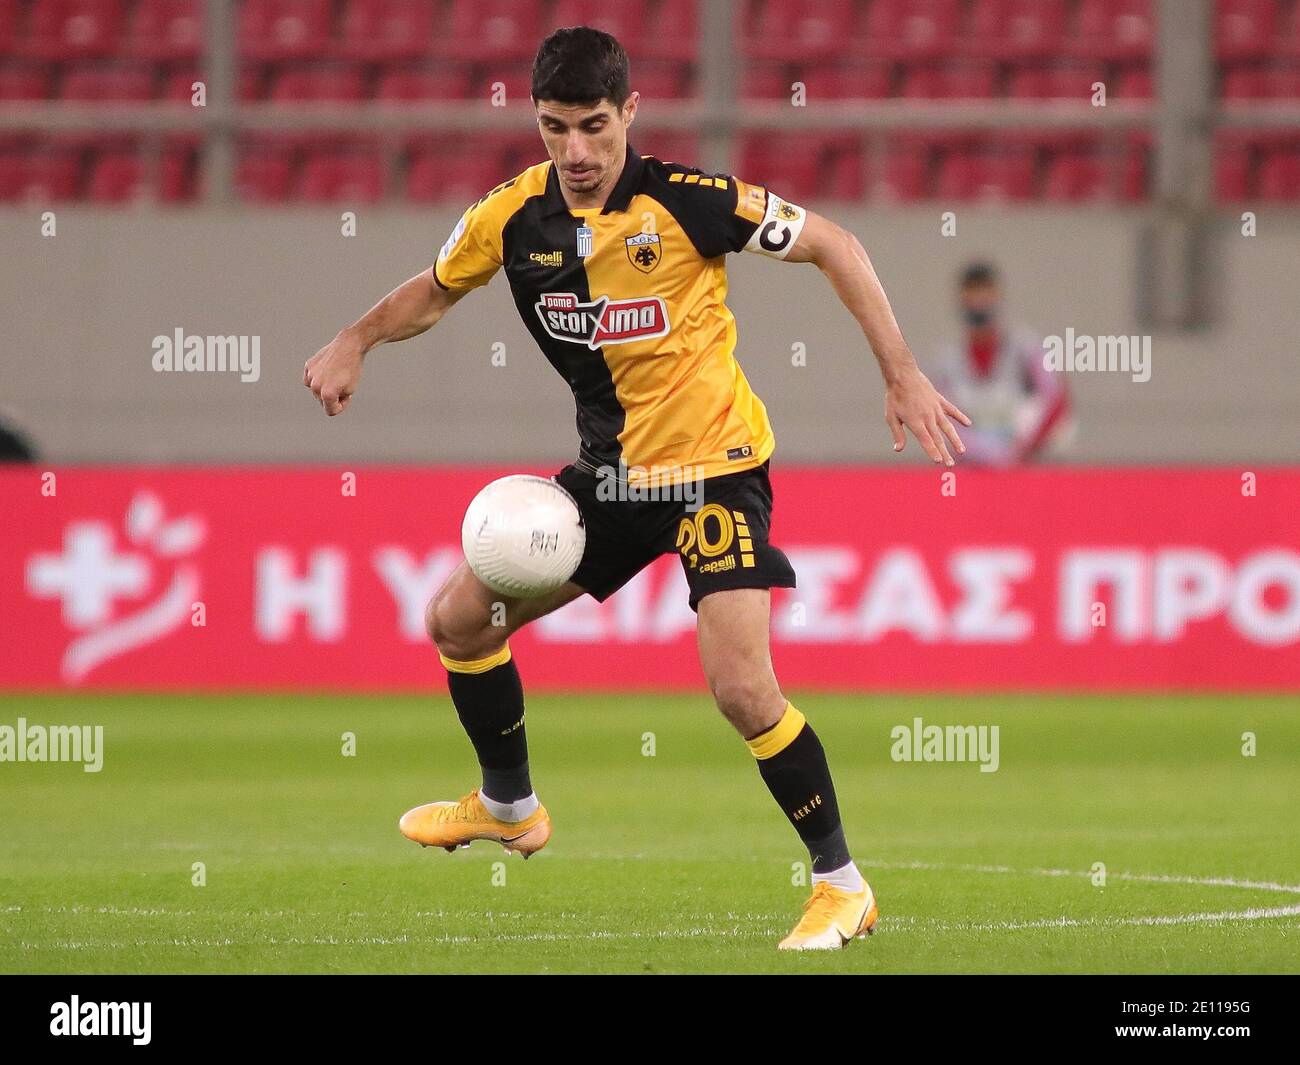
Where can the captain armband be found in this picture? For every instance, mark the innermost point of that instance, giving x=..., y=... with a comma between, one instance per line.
x=777, y=233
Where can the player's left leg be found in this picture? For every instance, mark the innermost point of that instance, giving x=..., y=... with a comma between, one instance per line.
x=733, y=635
x=471, y=626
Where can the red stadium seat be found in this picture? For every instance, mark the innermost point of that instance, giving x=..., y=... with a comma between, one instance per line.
x=387, y=29
x=455, y=169
x=179, y=87
x=514, y=81
x=283, y=29
x=490, y=29
x=804, y=166
x=911, y=29
x=662, y=81
x=997, y=173
x=519, y=151
x=50, y=175
x=625, y=19
x=319, y=83
x=1279, y=175
x=674, y=32
x=248, y=84
x=264, y=173
x=848, y=81
x=670, y=146
x=766, y=81
x=446, y=82
x=13, y=176
x=1134, y=84
x=1066, y=82
x=1232, y=169
x=178, y=170
x=116, y=177
x=8, y=30
x=344, y=178
x=1074, y=177
x=1253, y=82
x=1284, y=82
x=843, y=169
x=74, y=29
x=795, y=30
x=166, y=30
x=1114, y=29
x=950, y=81
x=1244, y=83
x=108, y=84
x=1016, y=29
x=905, y=175
x=24, y=82
x=788, y=164
x=1136, y=174
x=1245, y=29
x=1286, y=44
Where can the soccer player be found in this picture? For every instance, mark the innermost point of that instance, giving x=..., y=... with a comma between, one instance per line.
x=616, y=262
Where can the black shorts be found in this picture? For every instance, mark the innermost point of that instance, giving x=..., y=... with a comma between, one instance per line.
x=720, y=536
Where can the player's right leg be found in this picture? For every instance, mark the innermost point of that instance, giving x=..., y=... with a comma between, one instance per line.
x=470, y=625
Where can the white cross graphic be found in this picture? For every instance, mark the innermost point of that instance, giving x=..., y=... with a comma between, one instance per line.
x=88, y=575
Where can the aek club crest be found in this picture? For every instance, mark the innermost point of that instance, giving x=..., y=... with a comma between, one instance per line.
x=644, y=251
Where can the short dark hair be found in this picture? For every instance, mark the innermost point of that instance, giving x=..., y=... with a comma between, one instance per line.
x=581, y=65
x=979, y=273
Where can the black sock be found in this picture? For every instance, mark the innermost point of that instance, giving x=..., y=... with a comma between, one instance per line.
x=491, y=709
x=799, y=779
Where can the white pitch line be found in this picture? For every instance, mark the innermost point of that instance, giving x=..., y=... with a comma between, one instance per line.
x=1146, y=878
x=1256, y=914
x=892, y=924
x=903, y=923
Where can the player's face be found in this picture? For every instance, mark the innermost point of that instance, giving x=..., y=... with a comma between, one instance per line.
x=586, y=144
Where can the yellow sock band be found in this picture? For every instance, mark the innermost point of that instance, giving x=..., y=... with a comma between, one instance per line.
x=479, y=665
x=779, y=736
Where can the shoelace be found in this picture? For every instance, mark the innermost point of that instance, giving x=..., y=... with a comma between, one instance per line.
x=461, y=811
x=821, y=902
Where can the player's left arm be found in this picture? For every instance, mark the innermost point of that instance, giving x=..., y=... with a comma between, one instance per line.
x=910, y=399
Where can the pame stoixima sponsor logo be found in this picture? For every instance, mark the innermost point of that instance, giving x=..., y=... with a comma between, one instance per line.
x=601, y=321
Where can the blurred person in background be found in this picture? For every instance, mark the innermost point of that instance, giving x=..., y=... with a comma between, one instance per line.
x=995, y=373
x=15, y=444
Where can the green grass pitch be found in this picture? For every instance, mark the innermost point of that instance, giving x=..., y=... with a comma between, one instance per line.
x=676, y=862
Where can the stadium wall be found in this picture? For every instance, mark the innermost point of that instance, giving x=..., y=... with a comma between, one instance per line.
x=82, y=308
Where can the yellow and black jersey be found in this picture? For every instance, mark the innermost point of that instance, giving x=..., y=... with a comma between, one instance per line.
x=628, y=302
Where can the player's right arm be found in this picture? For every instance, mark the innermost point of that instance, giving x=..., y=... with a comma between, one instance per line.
x=415, y=306
x=469, y=258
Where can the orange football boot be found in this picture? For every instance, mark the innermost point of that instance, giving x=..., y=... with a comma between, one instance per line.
x=832, y=917
x=456, y=824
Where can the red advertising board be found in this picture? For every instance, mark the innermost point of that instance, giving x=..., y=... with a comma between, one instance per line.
x=292, y=578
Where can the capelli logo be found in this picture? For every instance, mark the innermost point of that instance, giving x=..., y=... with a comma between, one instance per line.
x=134, y=1019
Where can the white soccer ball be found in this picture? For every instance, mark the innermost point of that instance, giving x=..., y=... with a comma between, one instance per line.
x=523, y=536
